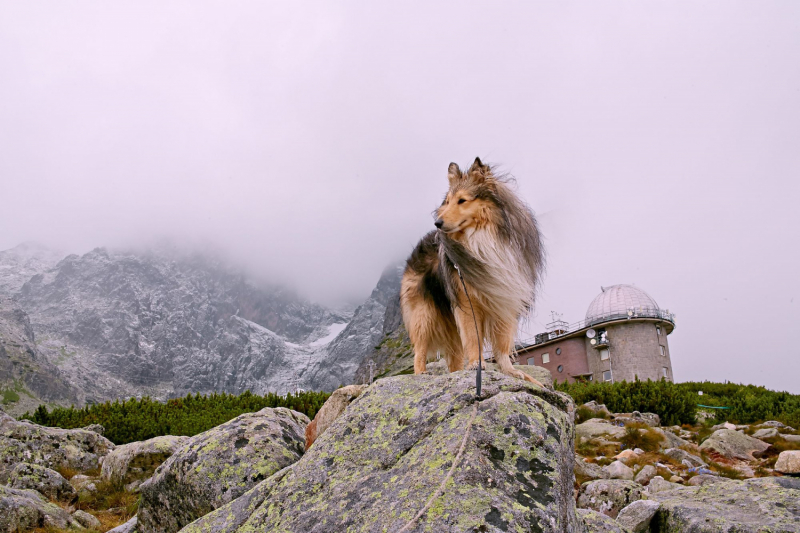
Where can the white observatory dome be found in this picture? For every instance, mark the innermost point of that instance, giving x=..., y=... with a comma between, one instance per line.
x=617, y=299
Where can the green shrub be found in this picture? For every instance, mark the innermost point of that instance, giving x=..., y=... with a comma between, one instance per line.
x=748, y=403
x=140, y=419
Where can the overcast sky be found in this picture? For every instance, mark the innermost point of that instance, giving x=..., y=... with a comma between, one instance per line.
x=658, y=142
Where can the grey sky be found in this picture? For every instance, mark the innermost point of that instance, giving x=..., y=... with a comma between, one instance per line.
x=658, y=142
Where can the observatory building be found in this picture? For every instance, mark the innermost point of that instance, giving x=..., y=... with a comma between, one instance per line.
x=623, y=337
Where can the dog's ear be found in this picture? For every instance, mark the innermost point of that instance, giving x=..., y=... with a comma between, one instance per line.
x=453, y=173
x=478, y=171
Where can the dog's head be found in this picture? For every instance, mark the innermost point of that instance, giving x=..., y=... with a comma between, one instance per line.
x=470, y=200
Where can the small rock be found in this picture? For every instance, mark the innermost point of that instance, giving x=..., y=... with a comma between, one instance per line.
x=659, y=484
x=725, y=425
x=598, y=522
x=588, y=471
x=766, y=433
x=788, y=462
x=86, y=520
x=127, y=527
x=598, y=408
x=644, y=476
x=734, y=445
x=638, y=451
x=43, y=480
x=790, y=438
x=97, y=428
x=636, y=517
x=597, y=427
x=618, y=470
x=773, y=424
x=609, y=496
x=682, y=455
x=334, y=406
x=704, y=479
x=676, y=479
x=625, y=455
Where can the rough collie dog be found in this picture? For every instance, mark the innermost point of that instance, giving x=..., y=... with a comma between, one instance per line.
x=485, y=231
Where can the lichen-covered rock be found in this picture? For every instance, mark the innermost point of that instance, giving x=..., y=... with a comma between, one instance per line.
x=734, y=445
x=682, y=456
x=754, y=505
x=379, y=463
x=609, y=496
x=97, y=428
x=539, y=373
x=219, y=465
x=659, y=484
x=43, y=480
x=636, y=517
x=618, y=470
x=594, y=522
x=22, y=509
x=330, y=411
x=138, y=460
x=25, y=442
x=788, y=462
x=644, y=475
x=86, y=520
x=588, y=471
x=598, y=427
x=704, y=479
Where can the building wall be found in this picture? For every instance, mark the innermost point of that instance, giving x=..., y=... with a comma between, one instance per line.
x=635, y=351
x=572, y=358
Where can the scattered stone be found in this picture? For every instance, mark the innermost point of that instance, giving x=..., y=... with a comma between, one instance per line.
x=734, y=445
x=43, y=480
x=609, y=496
x=595, y=522
x=790, y=438
x=24, y=442
x=725, y=425
x=636, y=517
x=626, y=455
x=618, y=470
x=138, y=460
x=589, y=471
x=704, y=479
x=127, y=527
x=22, y=509
x=219, y=465
x=676, y=479
x=644, y=476
x=682, y=455
x=788, y=462
x=766, y=433
x=597, y=427
x=754, y=505
x=638, y=451
x=670, y=440
x=659, y=484
x=651, y=419
x=330, y=411
x=86, y=520
x=773, y=424
x=381, y=461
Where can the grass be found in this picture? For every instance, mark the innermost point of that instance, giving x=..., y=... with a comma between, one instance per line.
x=641, y=436
x=111, y=504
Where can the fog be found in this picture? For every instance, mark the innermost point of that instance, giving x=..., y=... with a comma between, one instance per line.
x=657, y=143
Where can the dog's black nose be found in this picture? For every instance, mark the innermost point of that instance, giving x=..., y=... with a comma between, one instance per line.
x=439, y=223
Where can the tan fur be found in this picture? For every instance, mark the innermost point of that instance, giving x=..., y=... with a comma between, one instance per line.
x=498, y=302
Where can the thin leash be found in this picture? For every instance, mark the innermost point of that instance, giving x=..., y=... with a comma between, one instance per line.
x=461, y=448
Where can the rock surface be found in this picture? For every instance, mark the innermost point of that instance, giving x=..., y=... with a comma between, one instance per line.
x=636, y=517
x=127, y=527
x=788, y=462
x=595, y=522
x=380, y=462
x=618, y=470
x=333, y=407
x=734, y=445
x=659, y=484
x=219, y=465
x=609, y=496
x=597, y=427
x=25, y=442
x=138, y=460
x=766, y=433
x=644, y=475
x=589, y=471
x=86, y=520
x=22, y=509
x=679, y=455
x=754, y=505
x=43, y=480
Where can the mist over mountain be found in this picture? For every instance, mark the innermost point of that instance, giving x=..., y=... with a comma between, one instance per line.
x=111, y=324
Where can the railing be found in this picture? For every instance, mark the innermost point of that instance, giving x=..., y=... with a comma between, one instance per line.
x=631, y=314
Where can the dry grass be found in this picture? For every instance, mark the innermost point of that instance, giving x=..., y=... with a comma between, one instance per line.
x=641, y=436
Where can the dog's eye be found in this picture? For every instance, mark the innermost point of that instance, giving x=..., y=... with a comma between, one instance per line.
x=461, y=200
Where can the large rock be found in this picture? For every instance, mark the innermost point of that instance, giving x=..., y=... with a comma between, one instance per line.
x=636, y=517
x=138, y=460
x=22, y=509
x=788, y=462
x=333, y=407
x=504, y=464
x=598, y=427
x=754, y=505
x=609, y=496
x=219, y=465
x=539, y=373
x=595, y=522
x=734, y=445
x=25, y=442
x=43, y=480
x=682, y=456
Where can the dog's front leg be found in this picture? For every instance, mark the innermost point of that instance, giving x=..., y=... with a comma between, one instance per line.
x=470, y=339
x=420, y=356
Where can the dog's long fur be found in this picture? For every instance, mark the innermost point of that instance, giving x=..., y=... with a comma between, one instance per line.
x=485, y=229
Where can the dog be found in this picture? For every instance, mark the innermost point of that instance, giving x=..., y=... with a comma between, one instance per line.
x=488, y=234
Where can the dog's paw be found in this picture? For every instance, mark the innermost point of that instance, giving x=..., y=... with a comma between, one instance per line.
x=423, y=373
x=474, y=366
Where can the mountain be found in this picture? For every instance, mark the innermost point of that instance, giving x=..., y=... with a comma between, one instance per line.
x=113, y=324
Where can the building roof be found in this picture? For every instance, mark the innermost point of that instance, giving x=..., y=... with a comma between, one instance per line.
x=617, y=300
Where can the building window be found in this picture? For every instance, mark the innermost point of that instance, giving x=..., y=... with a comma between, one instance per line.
x=607, y=375
x=665, y=372
x=558, y=351
x=545, y=358
x=591, y=378
x=531, y=361
x=560, y=368
x=663, y=350
x=658, y=330
x=603, y=354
